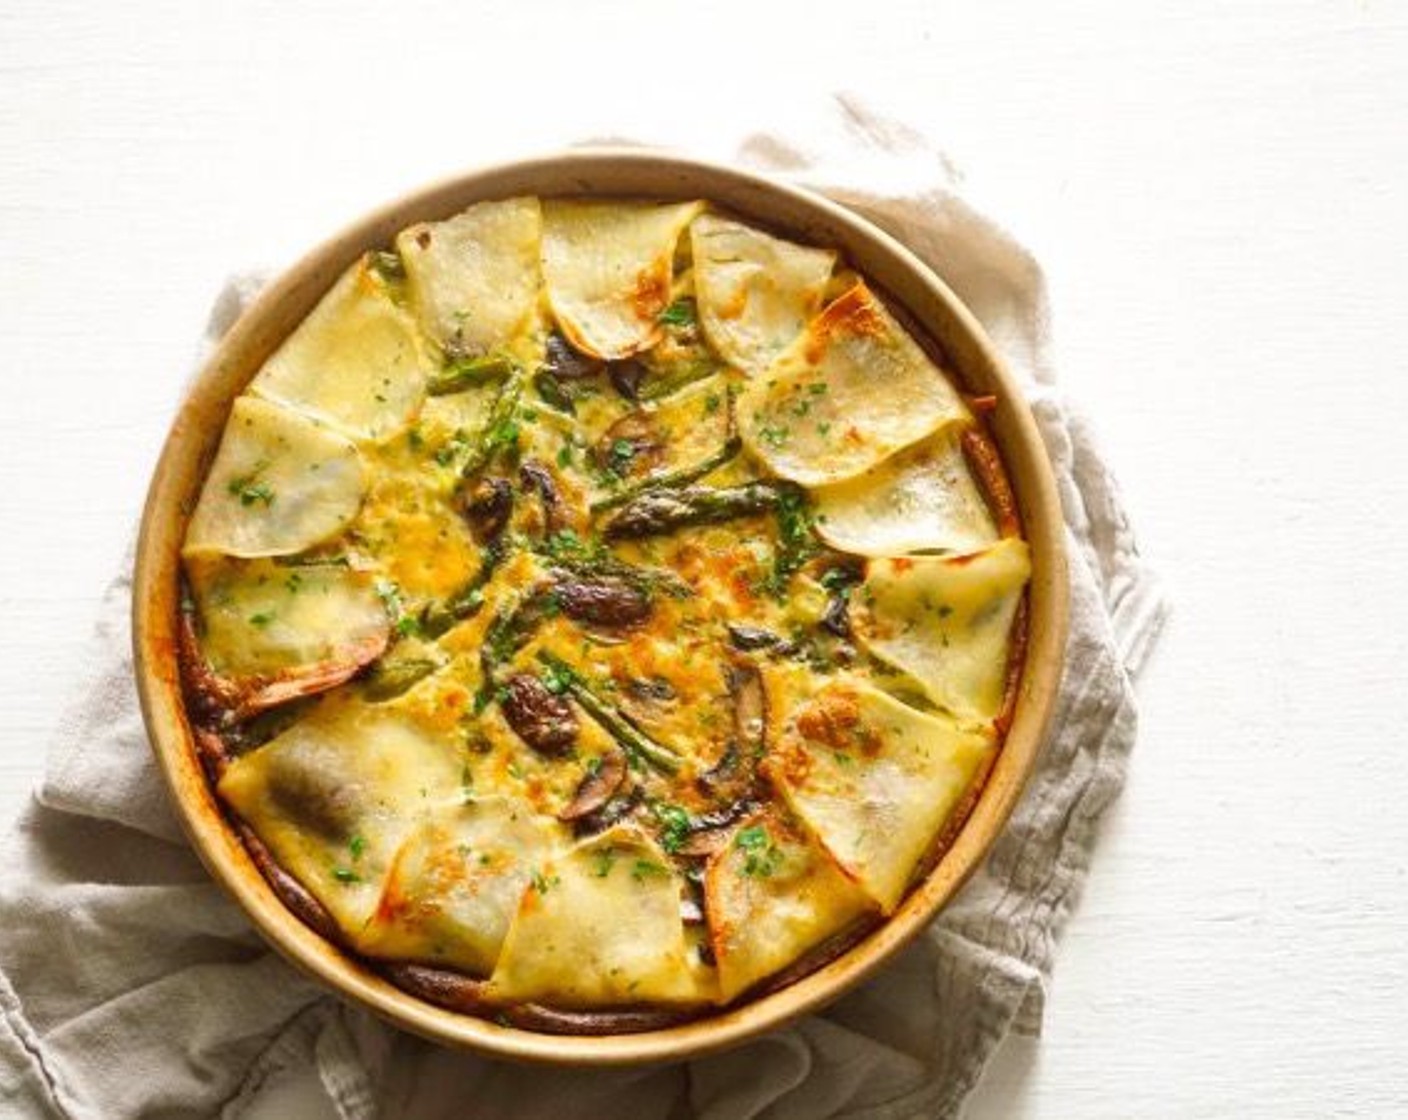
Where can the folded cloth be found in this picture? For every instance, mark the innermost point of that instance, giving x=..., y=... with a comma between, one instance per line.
x=130, y=985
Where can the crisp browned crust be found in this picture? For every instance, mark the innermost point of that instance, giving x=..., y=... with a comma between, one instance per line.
x=986, y=464
x=291, y=892
x=458, y=992
x=818, y=956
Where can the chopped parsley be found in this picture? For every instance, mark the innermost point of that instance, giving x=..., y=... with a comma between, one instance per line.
x=262, y=619
x=644, y=869
x=678, y=314
x=345, y=875
x=674, y=825
x=250, y=491
x=761, y=857
x=544, y=883
x=603, y=861
x=357, y=845
x=774, y=435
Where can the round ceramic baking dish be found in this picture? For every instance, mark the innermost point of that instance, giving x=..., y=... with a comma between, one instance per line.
x=908, y=286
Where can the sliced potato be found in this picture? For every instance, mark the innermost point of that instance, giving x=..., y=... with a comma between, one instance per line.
x=280, y=484
x=608, y=269
x=773, y=893
x=357, y=361
x=475, y=279
x=922, y=499
x=947, y=622
x=599, y=926
x=852, y=390
x=875, y=780
x=335, y=795
x=755, y=292
x=457, y=881
x=261, y=620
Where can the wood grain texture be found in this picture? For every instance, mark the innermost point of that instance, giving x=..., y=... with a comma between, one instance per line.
x=1217, y=193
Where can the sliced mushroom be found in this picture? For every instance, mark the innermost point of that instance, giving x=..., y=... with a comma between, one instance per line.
x=597, y=787
x=651, y=690
x=621, y=806
x=627, y=376
x=630, y=447
x=567, y=364
x=537, y=478
x=750, y=707
x=541, y=718
x=711, y=830
x=488, y=508
x=602, y=601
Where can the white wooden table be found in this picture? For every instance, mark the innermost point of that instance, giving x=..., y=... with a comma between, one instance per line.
x=1218, y=193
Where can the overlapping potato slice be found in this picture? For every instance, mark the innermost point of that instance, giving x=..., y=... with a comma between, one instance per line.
x=262, y=622
x=357, y=361
x=755, y=292
x=920, y=499
x=474, y=279
x=946, y=622
x=608, y=266
x=457, y=882
x=852, y=390
x=335, y=796
x=280, y=484
x=600, y=926
x=773, y=893
x=875, y=780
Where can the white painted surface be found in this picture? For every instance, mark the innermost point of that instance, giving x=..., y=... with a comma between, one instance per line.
x=1218, y=194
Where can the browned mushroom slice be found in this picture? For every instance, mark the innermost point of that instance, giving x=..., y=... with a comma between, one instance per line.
x=631, y=447
x=541, y=718
x=603, y=777
x=602, y=601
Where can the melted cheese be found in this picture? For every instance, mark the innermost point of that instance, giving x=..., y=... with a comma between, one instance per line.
x=475, y=279
x=608, y=269
x=357, y=361
x=600, y=926
x=851, y=391
x=921, y=499
x=279, y=484
x=875, y=780
x=755, y=292
x=259, y=619
x=772, y=894
x=947, y=622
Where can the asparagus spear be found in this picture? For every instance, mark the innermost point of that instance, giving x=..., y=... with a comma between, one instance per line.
x=638, y=746
x=500, y=429
x=681, y=476
x=662, y=510
x=459, y=376
x=389, y=679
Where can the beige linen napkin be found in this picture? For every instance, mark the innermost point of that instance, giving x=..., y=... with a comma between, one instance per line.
x=130, y=985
